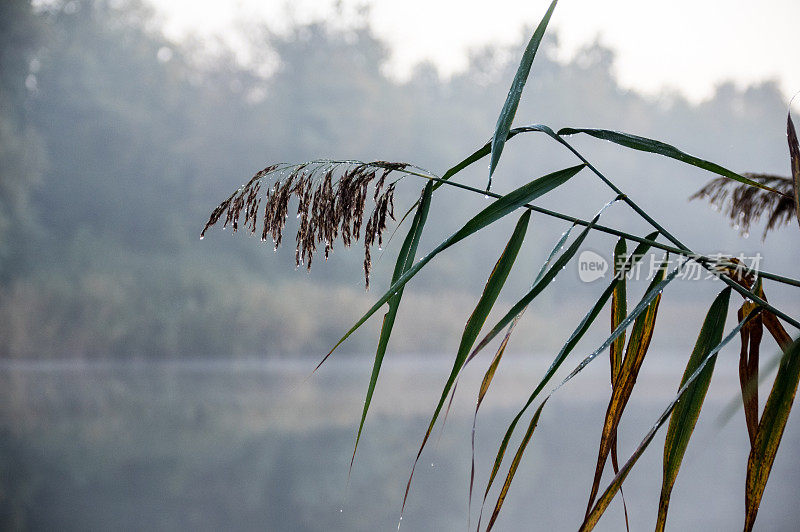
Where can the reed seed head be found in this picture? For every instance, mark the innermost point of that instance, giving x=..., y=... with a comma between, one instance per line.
x=744, y=204
x=332, y=197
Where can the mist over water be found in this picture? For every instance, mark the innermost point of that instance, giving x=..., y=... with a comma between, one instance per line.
x=252, y=445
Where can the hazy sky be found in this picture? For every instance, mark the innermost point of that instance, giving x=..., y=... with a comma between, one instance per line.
x=684, y=44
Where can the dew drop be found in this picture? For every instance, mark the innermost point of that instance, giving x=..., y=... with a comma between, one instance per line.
x=380, y=248
x=202, y=237
x=487, y=196
x=745, y=235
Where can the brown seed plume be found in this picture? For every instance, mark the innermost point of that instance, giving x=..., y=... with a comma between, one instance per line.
x=745, y=204
x=332, y=197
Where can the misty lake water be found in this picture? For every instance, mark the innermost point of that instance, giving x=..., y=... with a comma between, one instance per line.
x=254, y=445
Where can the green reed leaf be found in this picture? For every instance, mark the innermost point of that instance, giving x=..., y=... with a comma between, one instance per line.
x=478, y=317
x=515, y=465
x=661, y=148
x=490, y=372
x=515, y=92
x=542, y=280
x=684, y=416
x=405, y=260
x=619, y=309
x=573, y=340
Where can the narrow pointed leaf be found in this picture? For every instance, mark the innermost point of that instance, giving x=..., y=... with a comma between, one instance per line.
x=573, y=340
x=639, y=342
x=489, y=375
x=515, y=92
x=653, y=294
x=476, y=320
x=405, y=260
x=661, y=148
x=794, y=153
x=638, y=309
x=619, y=309
x=515, y=465
x=684, y=416
x=542, y=281
x=485, y=383
x=608, y=495
x=770, y=431
x=497, y=210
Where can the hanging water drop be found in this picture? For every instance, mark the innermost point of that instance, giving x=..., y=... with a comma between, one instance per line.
x=202, y=237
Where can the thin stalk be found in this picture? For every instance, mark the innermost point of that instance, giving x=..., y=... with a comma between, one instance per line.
x=701, y=259
x=725, y=278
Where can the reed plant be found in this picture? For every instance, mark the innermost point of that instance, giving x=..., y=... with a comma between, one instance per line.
x=350, y=200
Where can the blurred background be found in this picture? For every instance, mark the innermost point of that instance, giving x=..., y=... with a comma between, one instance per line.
x=153, y=381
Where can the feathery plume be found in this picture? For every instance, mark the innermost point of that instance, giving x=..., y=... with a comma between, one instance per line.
x=744, y=204
x=332, y=197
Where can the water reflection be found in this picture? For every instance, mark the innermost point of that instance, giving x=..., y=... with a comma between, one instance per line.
x=254, y=446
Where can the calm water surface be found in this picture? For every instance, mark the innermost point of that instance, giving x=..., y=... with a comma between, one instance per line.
x=253, y=445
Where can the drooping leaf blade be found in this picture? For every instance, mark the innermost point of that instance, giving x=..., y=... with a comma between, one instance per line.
x=514, y=466
x=616, y=483
x=491, y=291
x=490, y=372
x=485, y=383
x=770, y=431
x=684, y=416
x=515, y=92
x=619, y=309
x=542, y=281
x=573, y=340
x=641, y=334
x=794, y=155
x=661, y=148
x=497, y=210
x=405, y=260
